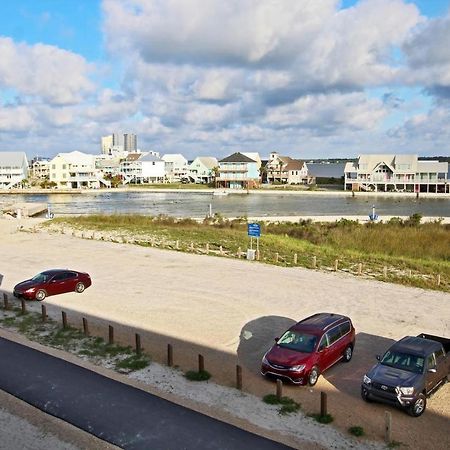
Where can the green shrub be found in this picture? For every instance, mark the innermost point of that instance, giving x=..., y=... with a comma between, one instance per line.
x=327, y=418
x=356, y=431
x=201, y=375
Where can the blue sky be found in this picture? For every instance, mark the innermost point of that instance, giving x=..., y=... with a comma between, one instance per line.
x=310, y=79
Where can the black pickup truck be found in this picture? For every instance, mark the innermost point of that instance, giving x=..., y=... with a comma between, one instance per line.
x=409, y=371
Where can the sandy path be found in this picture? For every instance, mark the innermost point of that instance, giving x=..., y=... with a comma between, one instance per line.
x=231, y=310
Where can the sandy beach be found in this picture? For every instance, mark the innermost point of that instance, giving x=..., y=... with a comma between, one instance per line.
x=230, y=311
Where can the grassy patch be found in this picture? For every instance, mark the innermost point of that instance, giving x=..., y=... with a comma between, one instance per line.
x=288, y=405
x=394, y=444
x=356, y=431
x=132, y=362
x=327, y=418
x=201, y=375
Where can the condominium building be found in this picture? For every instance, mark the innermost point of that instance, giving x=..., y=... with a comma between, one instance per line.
x=396, y=173
x=129, y=143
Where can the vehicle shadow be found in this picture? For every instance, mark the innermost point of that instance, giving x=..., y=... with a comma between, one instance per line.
x=257, y=337
x=346, y=377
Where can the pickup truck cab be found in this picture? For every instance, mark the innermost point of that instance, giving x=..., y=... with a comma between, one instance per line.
x=409, y=371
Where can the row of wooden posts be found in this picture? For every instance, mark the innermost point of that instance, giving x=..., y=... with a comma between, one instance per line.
x=201, y=361
x=277, y=257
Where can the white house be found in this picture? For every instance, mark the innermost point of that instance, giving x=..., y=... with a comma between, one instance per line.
x=202, y=169
x=286, y=170
x=142, y=168
x=396, y=173
x=76, y=170
x=176, y=167
x=13, y=169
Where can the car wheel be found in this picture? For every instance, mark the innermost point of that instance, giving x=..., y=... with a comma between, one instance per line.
x=313, y=376
x=40, y=295
x=80, y=287
x=348, y=353
x=365, y=395
x=418, y=407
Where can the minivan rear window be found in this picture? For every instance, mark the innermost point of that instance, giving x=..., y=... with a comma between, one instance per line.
x=298, y=341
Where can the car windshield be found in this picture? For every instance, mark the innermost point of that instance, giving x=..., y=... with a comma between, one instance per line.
x=404, y=361
x=300, y=342
x=40, y=278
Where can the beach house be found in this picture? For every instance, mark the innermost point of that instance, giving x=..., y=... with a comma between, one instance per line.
x=238, y=171
x=176, y=167
x=398, y=173
x=142, y=168
x=201, y=170
x=286, y=170
x=13, y=169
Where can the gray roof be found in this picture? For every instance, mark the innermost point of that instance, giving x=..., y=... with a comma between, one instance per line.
x=13, y=159
x=237, y=157
x=150, y=157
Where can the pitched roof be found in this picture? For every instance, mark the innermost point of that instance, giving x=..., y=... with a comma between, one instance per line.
x=149, y=157
x=294, y=164
x=13, y=159
x=208, y=161
x=237, y=157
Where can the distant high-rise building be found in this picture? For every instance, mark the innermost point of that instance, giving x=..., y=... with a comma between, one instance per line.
x=129, y=142
x=107, y=143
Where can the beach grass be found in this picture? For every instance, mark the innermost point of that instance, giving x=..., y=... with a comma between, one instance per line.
x=400, y=251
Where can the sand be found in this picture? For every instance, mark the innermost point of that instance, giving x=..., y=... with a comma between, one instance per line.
x=230, y=311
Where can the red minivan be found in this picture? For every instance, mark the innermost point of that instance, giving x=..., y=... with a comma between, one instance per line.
x=309, y=348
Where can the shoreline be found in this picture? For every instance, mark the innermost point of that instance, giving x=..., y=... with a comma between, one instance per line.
x=264, y=191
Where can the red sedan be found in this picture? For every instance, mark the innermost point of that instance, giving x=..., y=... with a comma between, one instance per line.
x=52, y=282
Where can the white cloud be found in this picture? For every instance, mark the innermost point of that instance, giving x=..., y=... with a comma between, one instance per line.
x=54, y=75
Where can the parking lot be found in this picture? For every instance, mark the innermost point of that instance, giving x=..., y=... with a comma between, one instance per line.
x=230, y=311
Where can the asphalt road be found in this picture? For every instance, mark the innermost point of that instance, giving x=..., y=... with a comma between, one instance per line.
x=113, y=411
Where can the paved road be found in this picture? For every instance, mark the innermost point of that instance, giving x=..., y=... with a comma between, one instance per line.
x=113, y=411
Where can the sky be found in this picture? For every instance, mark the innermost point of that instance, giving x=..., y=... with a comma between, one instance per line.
x=306, y=78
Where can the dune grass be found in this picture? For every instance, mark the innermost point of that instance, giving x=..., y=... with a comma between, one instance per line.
x=413, y=253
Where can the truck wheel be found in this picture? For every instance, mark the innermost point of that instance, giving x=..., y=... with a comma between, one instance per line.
x=365, y=395
x=418, y=407
x=313, y=376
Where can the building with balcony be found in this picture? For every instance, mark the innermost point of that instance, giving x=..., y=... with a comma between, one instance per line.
x=176, y=167
x=13, y=169
x=76, y=170
x=401, y=173
x=238, y=171
x=142, y=168
x=201, y=170
x=286, y=170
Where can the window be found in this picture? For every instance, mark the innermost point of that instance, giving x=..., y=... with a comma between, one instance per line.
x=333, y=335
x=59, y=277
x=64, y=166
x=439, y=355
x=344, y=328
x=431, y=363
x=53, y=166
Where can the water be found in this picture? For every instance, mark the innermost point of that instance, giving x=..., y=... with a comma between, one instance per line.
x=196, y=204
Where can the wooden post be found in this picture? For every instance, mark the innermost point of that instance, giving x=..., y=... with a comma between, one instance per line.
x=239, y=252
x=5, y=300
x=359, y=268
x=314, y=262
x=85, y=327
x=438, y=281
x=221, y=250
x=111, y=334
x=177, y=245
x=279, y=389
x=385, y=271
x=169, y=355
x=276, y=257
x=64, y=319
x=44, y=313
x=323, y=404
x=410, y=273
x=192, y=247
x=387, y=427
x=295, y=258
x=152, y=242
x=258, y=255
x=138, y=344
x=207, y=248
x=23, y=305
x=201, y=363
x=336, y=264
x=239, y=377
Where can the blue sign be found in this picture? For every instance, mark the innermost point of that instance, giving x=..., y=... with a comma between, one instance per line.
x=254, y=229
